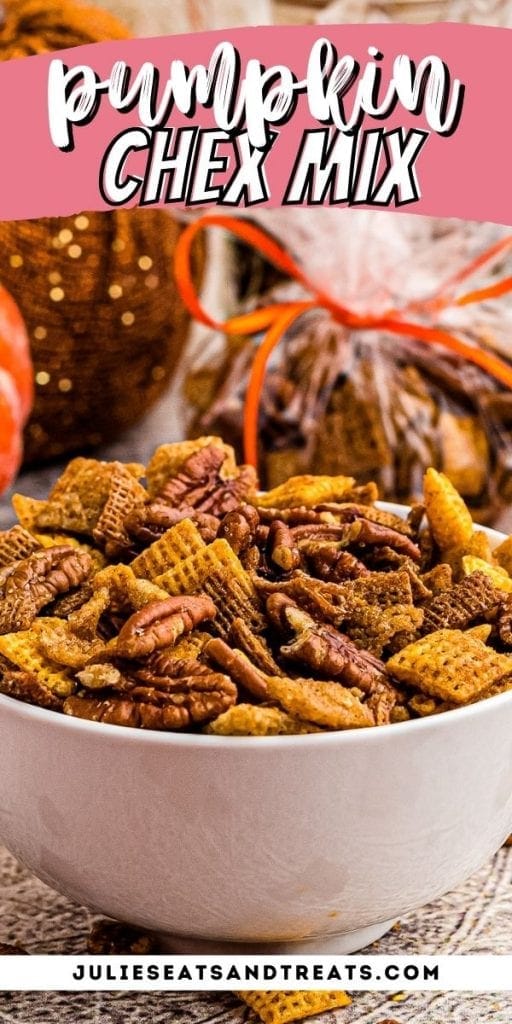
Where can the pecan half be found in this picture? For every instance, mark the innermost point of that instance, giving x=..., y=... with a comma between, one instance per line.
x=347, y=512
x=358, y=533
x=283, y=554
x=192, y=700
x=363, y=531
x=146, y=525
x=196, y=475
x=26, y=687
x=50, y=572
x=164, y=684
x=162, y=664
x=238, y=528
x=331, y=532
x=251, y=559
x=332, y=565
x=200, y=485
x=36, y=581
x=300, y=516
x=160, y=623
x=278, y=605
x=207, y=524
x=228, y=494
x=326, y=651
x=235, y=664
x=150, y=522
x=241, y=529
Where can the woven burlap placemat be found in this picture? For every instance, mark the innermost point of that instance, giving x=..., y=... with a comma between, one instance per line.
x=476, y=918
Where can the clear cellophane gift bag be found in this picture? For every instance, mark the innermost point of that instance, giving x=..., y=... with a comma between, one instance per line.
x=362, y=400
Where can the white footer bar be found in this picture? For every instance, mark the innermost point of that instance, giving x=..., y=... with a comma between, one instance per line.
x=266, y=973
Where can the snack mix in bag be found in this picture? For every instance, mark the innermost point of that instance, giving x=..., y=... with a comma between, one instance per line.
x=196, y=601
x=371, y=402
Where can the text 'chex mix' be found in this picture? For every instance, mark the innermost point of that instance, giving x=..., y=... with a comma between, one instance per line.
x=177, y=596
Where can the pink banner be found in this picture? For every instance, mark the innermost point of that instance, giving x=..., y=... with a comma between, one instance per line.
x=389, y=116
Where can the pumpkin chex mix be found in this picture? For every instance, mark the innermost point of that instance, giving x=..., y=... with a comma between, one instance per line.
x=182, y=597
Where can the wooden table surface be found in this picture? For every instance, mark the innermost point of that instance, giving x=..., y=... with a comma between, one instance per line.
x=476, y=918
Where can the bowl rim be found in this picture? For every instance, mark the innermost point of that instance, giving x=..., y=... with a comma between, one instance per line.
x=366, y=735
x=202, y=741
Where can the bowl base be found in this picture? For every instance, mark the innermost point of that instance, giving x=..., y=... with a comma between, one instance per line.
x=348, y=942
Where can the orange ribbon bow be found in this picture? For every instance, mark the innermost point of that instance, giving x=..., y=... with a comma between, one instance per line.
x=277, y=318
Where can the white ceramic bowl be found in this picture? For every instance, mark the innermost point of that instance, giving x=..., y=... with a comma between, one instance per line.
x=320, y=839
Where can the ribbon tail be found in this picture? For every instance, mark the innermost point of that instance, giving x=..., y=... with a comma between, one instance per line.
x=493, y=291
x=444, y=295
x=257, y=376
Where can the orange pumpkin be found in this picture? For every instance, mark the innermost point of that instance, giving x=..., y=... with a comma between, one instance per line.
x=16, y=388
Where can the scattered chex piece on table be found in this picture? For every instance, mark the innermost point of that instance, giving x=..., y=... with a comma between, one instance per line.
x=284, y=1007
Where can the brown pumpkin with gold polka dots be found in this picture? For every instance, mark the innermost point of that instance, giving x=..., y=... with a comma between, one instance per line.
x=96, y=290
